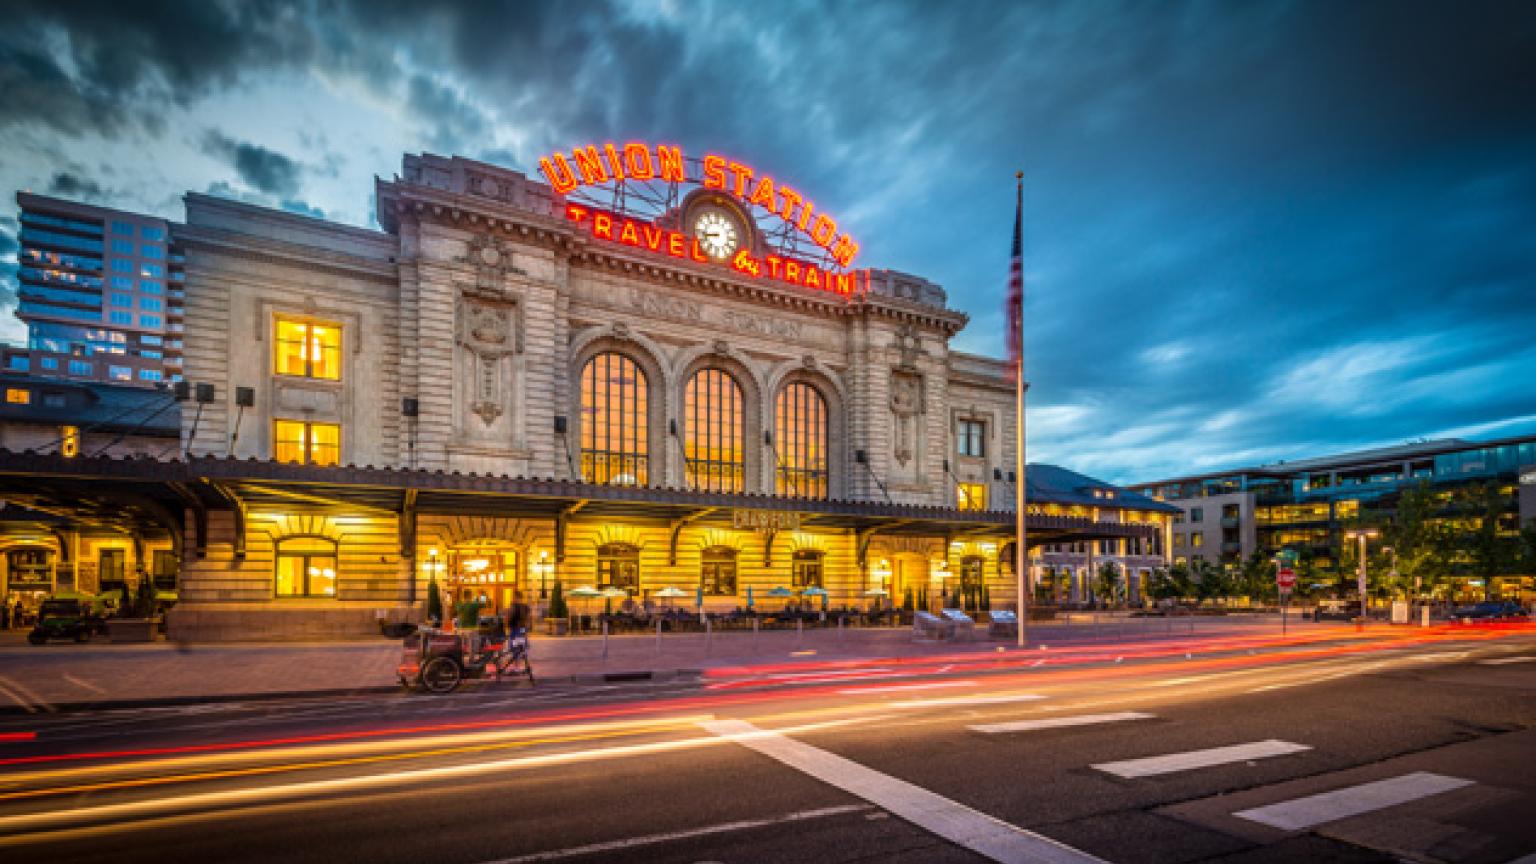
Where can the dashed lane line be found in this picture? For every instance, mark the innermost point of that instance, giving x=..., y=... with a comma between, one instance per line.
x=1302, y=813
x=1169, y=763
x=970, y=829
x=1059, y=722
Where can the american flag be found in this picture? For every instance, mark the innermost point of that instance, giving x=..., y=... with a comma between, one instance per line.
x=1016, y=287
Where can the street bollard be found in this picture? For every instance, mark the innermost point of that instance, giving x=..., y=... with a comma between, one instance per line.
x=709, y=635
x=754, y=634
x=799, y=633
x=605, y=640
x=658, y=637
x=1424, y=615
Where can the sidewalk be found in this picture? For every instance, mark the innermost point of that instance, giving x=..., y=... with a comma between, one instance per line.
x=67, y=676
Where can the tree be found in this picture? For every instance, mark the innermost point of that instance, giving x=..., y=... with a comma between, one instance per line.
x=1256, y=577
x=1161, y=586
x=1211, y=581
x=1108, y=583
x=434, y=602
x=1489, y=553
x=557, y=607
x=1422, y=546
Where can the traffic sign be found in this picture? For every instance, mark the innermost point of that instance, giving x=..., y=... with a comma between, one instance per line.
x=1285, y=578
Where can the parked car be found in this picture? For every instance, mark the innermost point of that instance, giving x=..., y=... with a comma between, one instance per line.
x=66, y=619
x=1491, y=610
x=1336, y=610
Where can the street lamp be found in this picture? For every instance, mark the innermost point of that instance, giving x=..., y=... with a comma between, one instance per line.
x=543, y=567
x=1363, y=534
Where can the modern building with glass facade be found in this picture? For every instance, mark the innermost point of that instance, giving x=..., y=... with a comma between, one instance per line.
x=500, y=390
x=102, y=293
x=1305, y=507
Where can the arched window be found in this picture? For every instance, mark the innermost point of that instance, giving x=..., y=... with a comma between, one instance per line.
x=306, y=567
x=972, y=570
x=614, y=428
x=800, y=430
x=715, y=432
x=717, y=570
x=807, y=569
x=618, y=566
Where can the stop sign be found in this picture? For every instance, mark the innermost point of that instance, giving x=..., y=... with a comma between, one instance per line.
x=1285, y=578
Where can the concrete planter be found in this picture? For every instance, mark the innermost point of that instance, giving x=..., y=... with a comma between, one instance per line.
x=133, y=629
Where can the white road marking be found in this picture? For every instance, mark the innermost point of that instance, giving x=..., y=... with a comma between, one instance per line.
x=897, y=688
x=1312, y=810
x=1503, y=661
x=1058, y=722
x=967, y=700
x=653, y=839
x=1171, y=762
x=955, y=822
x=84, y=685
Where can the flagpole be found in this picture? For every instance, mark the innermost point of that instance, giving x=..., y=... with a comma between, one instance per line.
x=1021, y=545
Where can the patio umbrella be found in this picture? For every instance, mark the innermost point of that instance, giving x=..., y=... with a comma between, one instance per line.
x=608, y=594
x=671, y=593
x=749, y=597
x=817, y=592
x=780, y=591
x=587, y=593
x=877, y=592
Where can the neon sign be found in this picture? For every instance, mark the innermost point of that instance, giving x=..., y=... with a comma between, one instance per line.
x=639, y=234
x=638, y=161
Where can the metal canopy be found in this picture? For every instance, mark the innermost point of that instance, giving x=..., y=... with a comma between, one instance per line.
x=147, y=496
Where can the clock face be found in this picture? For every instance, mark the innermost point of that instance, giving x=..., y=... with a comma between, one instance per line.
x=717, y=234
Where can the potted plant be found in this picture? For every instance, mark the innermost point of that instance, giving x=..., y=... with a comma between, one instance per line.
x=558, y=619
x=434, y=604
x=136, y=620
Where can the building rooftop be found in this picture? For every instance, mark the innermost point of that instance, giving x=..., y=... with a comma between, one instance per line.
x=98, y=406
x=1057, y=485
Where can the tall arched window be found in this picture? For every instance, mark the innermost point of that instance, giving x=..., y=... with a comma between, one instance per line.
x=614, y=428
x=800, y=430
x=715, y=432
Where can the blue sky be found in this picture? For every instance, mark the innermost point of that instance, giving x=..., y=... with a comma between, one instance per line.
x=1253, y=231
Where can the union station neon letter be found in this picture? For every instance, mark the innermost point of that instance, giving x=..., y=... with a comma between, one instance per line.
x=640, y=161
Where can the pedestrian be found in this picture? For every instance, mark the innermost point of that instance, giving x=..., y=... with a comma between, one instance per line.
x=519, y=616
x=5, y=616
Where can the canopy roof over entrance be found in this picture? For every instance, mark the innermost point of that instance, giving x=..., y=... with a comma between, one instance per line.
x=147, y=497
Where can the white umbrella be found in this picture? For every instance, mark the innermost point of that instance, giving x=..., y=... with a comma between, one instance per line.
x=670, y=591
x=877, y=592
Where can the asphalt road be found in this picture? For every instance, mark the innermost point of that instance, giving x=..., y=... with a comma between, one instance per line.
x=1141, y=754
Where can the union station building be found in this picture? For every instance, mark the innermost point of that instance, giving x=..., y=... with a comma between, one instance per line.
x=520, y=381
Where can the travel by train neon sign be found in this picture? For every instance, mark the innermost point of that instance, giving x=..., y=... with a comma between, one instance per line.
x=593, y=165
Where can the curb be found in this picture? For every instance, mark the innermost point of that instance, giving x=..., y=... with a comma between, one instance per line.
x=581, y=679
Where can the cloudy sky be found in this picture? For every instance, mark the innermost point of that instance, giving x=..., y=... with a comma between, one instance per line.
x=1253, y=231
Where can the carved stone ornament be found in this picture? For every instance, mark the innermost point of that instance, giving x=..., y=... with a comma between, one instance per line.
x=906, y=403
x=620, y=330
x=721, y=347
x=488, y=334
x=491, y=259
x=909, y=346
x=808, y=362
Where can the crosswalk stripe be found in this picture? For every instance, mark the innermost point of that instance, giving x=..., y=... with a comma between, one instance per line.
x=971, y=829
x=1058, y=722
x=1171, y=762
x=1302, y=813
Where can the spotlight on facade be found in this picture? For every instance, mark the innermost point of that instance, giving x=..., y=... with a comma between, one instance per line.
x=205, y=394
x=182, y=391
x=409, y=407
x=245, y=397
x=559, y=424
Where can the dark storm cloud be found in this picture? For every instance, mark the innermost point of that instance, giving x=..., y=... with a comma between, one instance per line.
x=265, y=170
x=70, y=185
x=1252, y=230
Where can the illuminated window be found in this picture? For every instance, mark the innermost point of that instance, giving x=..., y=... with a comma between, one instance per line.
x=806, y=569
x=309, y=443
x=306, y=567
x=972, y=568
x=714, y=432
x=800, y=433
x=18, y=396
x=618, y=566
x=971, y=496
x=972, y=438
x=69, y=442
x=614, y=422
x=1197, y=539
x=307, y=349
x=718, y=570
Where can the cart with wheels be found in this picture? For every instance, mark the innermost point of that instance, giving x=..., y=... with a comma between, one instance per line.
x=438, y=662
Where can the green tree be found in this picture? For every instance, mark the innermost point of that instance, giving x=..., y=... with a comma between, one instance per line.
x=1422, y=546
x=1256, y=577
x=1488, y=553
x=557, y=606
x=1210, y=580
x=434, y=602
x=1107, y=585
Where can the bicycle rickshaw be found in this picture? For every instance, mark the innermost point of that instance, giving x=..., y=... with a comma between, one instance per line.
x=437, y=661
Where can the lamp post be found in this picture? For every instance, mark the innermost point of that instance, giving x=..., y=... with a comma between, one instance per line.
x=543, y=568
x=1363, y=534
